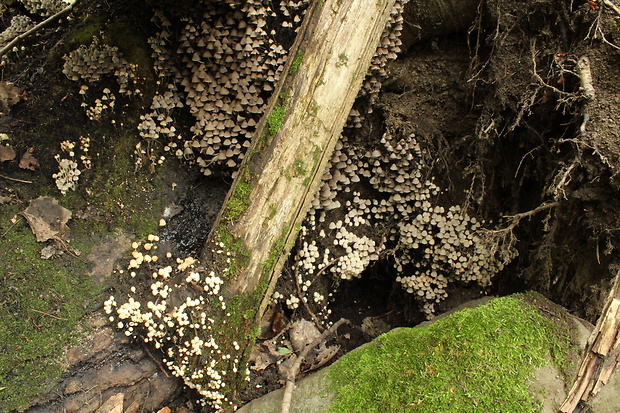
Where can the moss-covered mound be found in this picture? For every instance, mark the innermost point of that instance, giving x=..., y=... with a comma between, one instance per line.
x=480, y=359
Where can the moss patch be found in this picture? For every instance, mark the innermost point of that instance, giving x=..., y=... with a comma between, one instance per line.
x=474, y=360
x=299, y=57
x=41, y=303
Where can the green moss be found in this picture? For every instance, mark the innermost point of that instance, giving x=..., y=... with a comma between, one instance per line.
x=272, y=211
x=275, y=119
x=41, y=304
x=300, y=168
x=343, y=60
x=299, y=57
x=239, y=201
x=85, y=32
x=475, y=360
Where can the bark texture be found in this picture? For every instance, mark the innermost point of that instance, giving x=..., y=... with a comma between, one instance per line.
x=337, y=45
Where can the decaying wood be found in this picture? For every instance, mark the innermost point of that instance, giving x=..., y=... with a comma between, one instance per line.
x=285, y=171
x=601, y=356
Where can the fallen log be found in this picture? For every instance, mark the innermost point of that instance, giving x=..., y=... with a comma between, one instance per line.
x=282, y=170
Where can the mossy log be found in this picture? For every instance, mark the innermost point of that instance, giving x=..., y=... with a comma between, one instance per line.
x=295, y=139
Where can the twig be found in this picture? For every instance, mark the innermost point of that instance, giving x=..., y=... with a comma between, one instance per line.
x=63, y=243
x=7, y=231
x=15, y=179
x=49, y=315
x=518, y=217
x=565, y=180
x=290, y=380
x=36, y=28
x=604, y=39
x=161, y=367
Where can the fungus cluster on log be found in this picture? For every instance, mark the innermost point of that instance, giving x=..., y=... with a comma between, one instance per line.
x=230, y=63
x=179, y=323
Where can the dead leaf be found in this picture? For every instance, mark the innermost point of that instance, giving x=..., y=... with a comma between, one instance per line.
x=374, y=327
x=265, y=324
x=113, y=405
x=50, y=251
x=28, y=161
x=9, y=95
x=302, y=333
x=260, y=358
x=6, y=153
x=165, y=409
x=4, y=199
x=323, y=356
x=47, y=219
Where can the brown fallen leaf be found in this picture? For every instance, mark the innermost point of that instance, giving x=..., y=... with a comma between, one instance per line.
x=261, y=358
x=165, y=409
x=374, y=327
x=47, y=219
x=302, y=333
x=323, y=355
x=28, y=161
x=9, y=95
x=6, y=153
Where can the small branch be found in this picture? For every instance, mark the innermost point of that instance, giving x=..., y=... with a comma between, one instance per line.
x=49, y=315
x=15, y=179
x=290, y=380
x=518, y=217
x=565, y=180
x=157, y=363
x=12, y=225
x=36, y=28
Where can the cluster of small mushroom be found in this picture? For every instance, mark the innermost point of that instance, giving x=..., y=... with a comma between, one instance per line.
x=44, y=7
x=230, y=64
x=84, y=157
x=107, y=101
x=68, y=173
x=175, y=316
x=91, y=63
x=67, y=176
x=19, y=24
x=438, y=247
x=388, y=50
x=159, y=122
x=349, y=223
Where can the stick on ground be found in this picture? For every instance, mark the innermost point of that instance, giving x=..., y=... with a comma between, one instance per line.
x=290, y=380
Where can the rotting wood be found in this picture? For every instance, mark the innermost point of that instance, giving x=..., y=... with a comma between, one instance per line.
x=601, y=354
x=284, y=170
